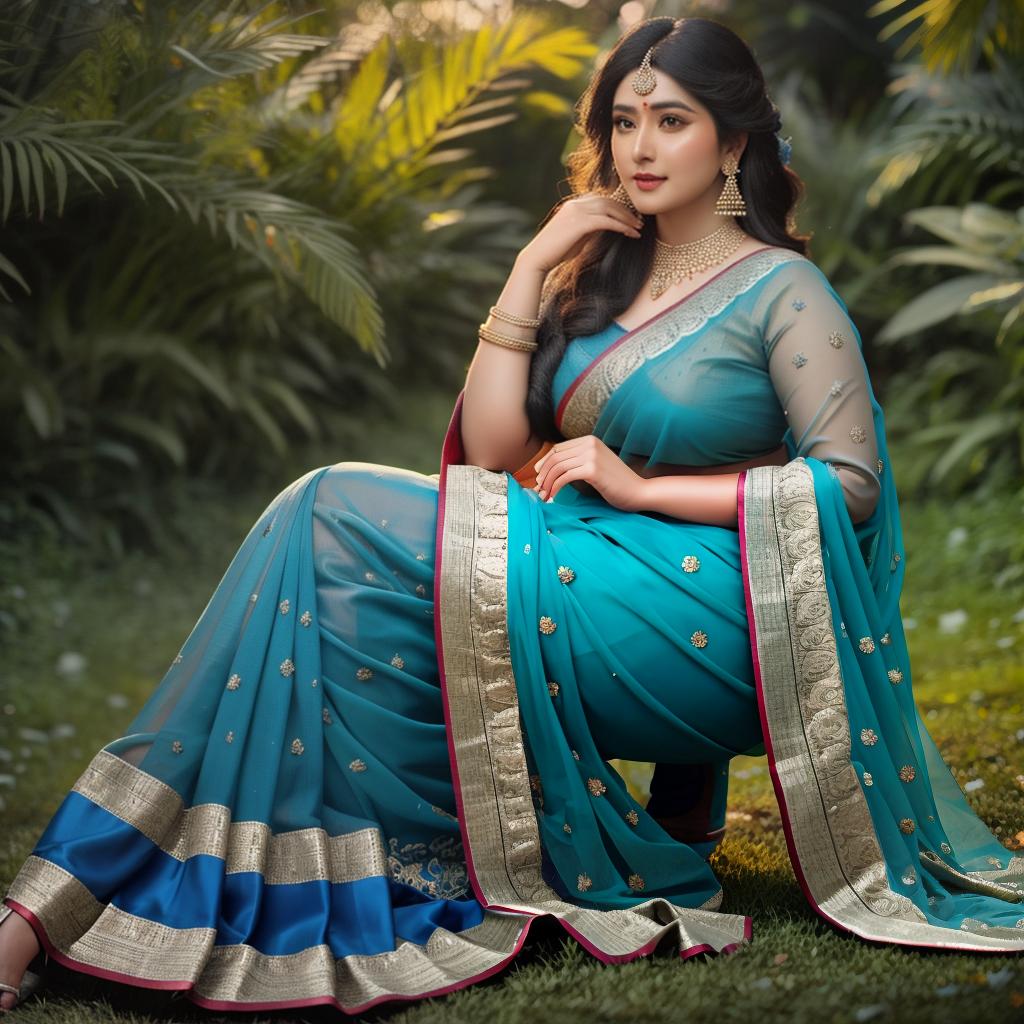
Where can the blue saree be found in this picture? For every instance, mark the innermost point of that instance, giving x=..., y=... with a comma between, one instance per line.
x=383, y=750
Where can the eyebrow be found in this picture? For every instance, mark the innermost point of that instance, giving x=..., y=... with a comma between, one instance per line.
x=662, y=105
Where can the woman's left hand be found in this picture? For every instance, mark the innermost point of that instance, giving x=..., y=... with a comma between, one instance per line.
x=588, y=458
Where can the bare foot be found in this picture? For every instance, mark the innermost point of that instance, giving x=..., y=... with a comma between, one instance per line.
x=18, y=947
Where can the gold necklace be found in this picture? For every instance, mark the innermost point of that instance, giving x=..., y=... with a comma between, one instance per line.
x=674, y=262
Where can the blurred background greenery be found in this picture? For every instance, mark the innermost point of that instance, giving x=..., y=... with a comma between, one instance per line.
x=230, y=229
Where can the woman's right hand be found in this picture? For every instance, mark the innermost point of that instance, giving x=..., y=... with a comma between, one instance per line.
x=566, y=231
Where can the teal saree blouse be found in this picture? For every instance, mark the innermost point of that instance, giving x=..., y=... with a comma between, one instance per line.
x=383, y=751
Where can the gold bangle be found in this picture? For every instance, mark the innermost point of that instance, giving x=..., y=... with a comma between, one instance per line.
x=513, y=318
x=519, y=344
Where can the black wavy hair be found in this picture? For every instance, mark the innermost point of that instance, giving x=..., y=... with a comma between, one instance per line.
x=584, y=294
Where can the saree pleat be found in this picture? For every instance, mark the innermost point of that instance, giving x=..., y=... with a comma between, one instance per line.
x=486, y=688
x=248, y=840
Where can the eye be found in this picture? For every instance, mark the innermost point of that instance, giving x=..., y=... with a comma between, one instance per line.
x=668, y=117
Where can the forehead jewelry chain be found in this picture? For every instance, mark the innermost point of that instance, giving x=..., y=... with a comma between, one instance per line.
x=644, y=80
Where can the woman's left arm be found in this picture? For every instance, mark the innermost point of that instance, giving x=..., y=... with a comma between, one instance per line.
x=701, y=498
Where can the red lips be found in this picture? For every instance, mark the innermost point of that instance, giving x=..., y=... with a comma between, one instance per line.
x=648, y=177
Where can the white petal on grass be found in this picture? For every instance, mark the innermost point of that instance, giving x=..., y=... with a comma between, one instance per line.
x=117, y=700
x=1005, y=641
x=972, y=784
x=34, y=735
x=952, y=622
x=909, y=622
x=71, y=663
x=956, y=537
x=62, y=731
x=1019, y=616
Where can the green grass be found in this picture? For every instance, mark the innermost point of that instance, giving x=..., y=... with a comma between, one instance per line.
x=124, y=622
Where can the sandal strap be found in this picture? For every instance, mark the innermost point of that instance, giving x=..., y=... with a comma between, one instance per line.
x=10, y=988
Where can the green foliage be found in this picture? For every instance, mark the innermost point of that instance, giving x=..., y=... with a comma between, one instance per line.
x=281, y=204
x=972, y=398
x=952, y=33
x=957, y=138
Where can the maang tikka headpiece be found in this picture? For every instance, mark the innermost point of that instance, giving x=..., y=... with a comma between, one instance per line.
x=644, y=82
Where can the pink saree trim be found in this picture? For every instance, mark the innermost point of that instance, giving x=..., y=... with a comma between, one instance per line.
x=187, y=987
x=559, y=411
x=452, y=453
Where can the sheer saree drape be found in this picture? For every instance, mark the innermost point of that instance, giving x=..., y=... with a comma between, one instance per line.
x=383, y=750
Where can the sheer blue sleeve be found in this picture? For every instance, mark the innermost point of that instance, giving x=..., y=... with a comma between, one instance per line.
x=817, y=367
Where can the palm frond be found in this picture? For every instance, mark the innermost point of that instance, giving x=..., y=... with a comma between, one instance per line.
x=976, y=122
x=951, y=33
x=241, y=44
x=292, y=239
x=390, y=131
x=37, y=152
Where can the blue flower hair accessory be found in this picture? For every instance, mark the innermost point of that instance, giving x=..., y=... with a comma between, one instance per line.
x=785, y=149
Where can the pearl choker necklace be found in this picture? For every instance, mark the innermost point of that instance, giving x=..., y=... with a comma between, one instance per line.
x=674, y=262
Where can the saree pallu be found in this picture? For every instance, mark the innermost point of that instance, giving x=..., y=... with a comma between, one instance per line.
x=383, y=749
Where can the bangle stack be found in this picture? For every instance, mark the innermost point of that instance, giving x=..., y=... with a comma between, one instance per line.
x=506, y=340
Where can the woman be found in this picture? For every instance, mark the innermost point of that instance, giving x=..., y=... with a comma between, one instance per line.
x=382, y=752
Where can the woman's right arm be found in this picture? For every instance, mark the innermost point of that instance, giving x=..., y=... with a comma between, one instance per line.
x=496, y=432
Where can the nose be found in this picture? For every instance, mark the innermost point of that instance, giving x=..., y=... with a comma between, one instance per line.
x=643, y=144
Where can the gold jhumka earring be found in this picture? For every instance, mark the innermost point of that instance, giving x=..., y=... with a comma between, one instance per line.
x=730, y=202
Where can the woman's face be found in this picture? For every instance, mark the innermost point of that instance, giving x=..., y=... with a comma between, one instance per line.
x=667, y=133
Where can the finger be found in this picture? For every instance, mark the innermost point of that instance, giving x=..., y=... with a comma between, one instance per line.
x=620, y=210
x=557, y=454
x=551, y=485
x=569, y=473
x=626, y=225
